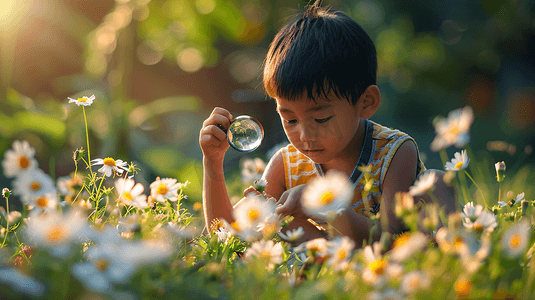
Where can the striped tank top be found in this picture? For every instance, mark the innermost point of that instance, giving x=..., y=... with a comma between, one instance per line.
x=379, y=146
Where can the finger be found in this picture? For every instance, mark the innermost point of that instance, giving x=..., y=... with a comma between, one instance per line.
x=222, y=111
x=214, y=131
x=250, y=190
x=217, y=119
x=209, y=139
x=282, y=199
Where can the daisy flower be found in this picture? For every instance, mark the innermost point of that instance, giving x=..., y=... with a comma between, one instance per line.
x=85, y=101
x=425, y=182
x=473, y=251
x=57, y=232
x=470, y=212
x=407, y=245
x=486, y=221
x=459, y=162
x=500, y=171
x=222, y=235
x=68, y=185
x=267, y=250
x=515, y=240
x=326, y=196
x=378, y=269
x=45, y=203
x=110, y=166
x=292, y=235
x=316, y=247
x=129, y=190
x=453, y=130
x=166, y=188
x=254, y=212
x=19, y=159
x=340, y=252
x=252, y=169
x=414, y=281
x=30, y=185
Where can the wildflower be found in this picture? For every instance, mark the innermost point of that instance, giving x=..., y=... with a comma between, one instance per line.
x=414, y=281
x=57, y=232
x=424, y=183
x=166, y=188
x=326, y=196
x=254, y=211
x=453, y=130
x=460, y=162
x=448, y=241
x=68, y=185
x=85, y=101
x=486, y=221
x=222, y=235
x=45, y=203
x=129, y=191
x=19, y=159
x=500, y=171
x=252, y=169
x=407, y=245
x=472, y=251
x=378, y=269
x=267, y=250
x=471, y=212
x=6, y=193
x=197, y=206
x=30, y=185
x=260, y=185
x=292, y=235
x=463, y=287
x=404, y=204
x=110, y=166
x=316, y=247
x=340, y=252
x=515, y=240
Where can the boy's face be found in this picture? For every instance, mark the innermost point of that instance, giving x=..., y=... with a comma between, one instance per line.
x=322, y=130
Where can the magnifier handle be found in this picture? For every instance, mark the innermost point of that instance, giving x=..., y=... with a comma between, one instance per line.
x=222, y=128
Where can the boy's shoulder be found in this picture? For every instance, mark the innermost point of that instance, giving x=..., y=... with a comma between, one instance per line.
x=381, y=132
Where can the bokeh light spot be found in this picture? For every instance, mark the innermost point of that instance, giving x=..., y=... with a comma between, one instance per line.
x=190, y=60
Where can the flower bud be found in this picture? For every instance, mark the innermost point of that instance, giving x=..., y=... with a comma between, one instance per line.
x=500, y=171
x=525, y=206
x=6, y=193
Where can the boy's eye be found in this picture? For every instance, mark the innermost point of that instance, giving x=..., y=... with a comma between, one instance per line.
x=323, y=120
x=291, y=121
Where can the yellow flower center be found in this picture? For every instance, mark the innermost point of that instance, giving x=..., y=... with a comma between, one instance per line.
x=252, y=214
x=235, y=226
x=265, y=254
x=24, y=162
x=127, y=196
x=42, y=202
x=458, y=243
x=342, y=254
x=56, y=233
x=108, y=161
x=514, y=241
x=82, y=99
x=402, y=239
x=478, y=227
x=326, y=197
x=463, y=287
x=414, y=283
x=259, y=169
x=162, y=189
x=459, y=164
x=378, y=266
x=101, y=264
x=35, y=186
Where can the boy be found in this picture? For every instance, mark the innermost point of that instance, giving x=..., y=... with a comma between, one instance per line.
x=321, y=71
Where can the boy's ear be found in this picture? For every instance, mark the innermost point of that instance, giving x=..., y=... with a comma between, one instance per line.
x=370, y=101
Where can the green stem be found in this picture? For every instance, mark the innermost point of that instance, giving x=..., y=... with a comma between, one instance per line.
x=499, y=191
x=443, y=156
x=97, y=199
x=463, y=186
x=87, y=140
x=477, y=186
x=7, y=219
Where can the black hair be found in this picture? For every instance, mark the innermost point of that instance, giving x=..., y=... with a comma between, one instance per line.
x=320, y=51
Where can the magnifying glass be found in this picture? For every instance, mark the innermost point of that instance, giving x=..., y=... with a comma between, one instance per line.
x=244, y=134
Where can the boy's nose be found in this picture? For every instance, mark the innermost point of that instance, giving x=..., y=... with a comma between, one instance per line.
x=308, y=133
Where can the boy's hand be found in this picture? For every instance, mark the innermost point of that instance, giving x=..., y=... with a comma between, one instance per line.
x=290, y=203
x=212, y=138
